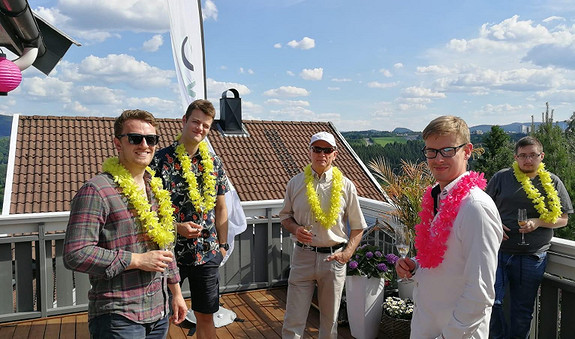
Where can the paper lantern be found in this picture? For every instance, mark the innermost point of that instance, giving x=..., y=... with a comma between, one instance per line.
x=10, y=75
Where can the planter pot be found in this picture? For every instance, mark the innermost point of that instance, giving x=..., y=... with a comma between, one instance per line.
x=364, y=299
x=406, y=289
x=394, y=328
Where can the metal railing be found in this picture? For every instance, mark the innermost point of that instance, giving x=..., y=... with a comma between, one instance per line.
x=38, y=285
x=32, y=267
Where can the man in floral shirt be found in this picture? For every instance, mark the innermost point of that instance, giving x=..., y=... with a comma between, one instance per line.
x=197, y=182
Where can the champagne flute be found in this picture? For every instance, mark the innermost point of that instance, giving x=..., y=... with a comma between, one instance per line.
x=522, y=221
x=402, y=243
x=170, y=246
x=308, y=228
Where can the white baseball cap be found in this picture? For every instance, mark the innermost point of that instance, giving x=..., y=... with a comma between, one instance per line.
x=325, y=136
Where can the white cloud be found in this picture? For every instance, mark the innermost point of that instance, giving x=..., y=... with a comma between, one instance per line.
x=47, y=89
x=77, y=108
x=305, y=43
x=415, y=92
x=554, y=18
x=297, y=113
x=96, y=20
x=435, y=69
x=287, y=92
x=375, y=84
x=116, y=68
x=157, y=106
x=277, y=45
x=153, y=44
x=291, y=103
x=312, y=74
x=398, y=65
x=340, y=79
x=94, y=15
x=210, y=11
x=98, y=95
x=246, y=71
x=216, y=88
x=386, y=73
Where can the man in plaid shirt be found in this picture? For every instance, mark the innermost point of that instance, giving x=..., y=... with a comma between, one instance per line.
x=129, y=275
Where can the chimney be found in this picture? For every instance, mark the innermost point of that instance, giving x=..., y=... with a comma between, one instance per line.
x=231, y=113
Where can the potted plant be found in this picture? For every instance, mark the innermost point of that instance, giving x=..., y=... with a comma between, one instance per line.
x=396, y=318
x=368, y=272
x=404, y=191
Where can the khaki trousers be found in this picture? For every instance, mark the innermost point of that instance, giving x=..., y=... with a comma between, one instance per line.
x=308, y=268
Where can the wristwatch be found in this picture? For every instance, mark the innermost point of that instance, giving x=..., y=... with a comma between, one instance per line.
x=225, y=246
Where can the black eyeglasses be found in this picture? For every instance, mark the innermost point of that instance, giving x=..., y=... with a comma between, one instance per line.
x=524, y=156
x=136, y=138
x=325, y=150
x=447, y=152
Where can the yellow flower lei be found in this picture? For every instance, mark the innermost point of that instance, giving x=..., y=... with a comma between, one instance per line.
x=326, y=220
x=160, y=231
x=208, y=201
x=535, y=196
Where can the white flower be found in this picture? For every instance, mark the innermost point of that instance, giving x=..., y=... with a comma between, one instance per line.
x=398, y=308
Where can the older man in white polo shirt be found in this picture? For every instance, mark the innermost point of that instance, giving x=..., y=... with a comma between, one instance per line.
x=320, y=230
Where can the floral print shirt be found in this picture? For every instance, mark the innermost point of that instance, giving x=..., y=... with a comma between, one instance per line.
x=194, y=251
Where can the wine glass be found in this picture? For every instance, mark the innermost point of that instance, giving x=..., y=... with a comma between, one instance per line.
x=402, y=243
x=522, y=221
x=170, y=246
x=308, y=228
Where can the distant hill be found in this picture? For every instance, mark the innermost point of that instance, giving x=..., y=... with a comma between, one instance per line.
x=401, y=130
x=5, y=125
x=516, y=127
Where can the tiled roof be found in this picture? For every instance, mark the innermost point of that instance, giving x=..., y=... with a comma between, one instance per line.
x=56, y=155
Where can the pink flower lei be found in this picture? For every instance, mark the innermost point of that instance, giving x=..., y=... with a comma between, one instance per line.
x=431, y=234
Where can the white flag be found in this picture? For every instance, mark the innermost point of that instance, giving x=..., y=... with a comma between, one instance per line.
x=188, y=50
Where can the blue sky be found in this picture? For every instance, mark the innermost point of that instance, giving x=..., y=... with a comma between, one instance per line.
x=366, y=64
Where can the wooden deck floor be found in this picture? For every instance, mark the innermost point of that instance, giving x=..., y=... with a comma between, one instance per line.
x=262, y=313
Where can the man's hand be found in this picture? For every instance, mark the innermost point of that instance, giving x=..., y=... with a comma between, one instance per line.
x=303, y=236
x=152, y=261
x=180, y=310
x=223, y=252
x=189, y=230
x=529, y=227
x=341, y=257
x=505, y=230
x=404, y=267
x=179, y=307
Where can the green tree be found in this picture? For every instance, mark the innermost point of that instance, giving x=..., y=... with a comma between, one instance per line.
x=498, y=152
x=558, y=160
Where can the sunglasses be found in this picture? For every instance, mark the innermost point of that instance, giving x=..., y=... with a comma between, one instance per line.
x=136, y=138
x=326, y=150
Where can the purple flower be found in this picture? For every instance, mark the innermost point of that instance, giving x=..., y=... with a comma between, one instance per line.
x=378, y=254
x=391, y=258
x=382, y=267
x=353, y=264
x=369, y=255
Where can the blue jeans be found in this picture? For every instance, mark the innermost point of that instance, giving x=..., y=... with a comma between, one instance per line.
x=116, y=326
x=523, y=274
